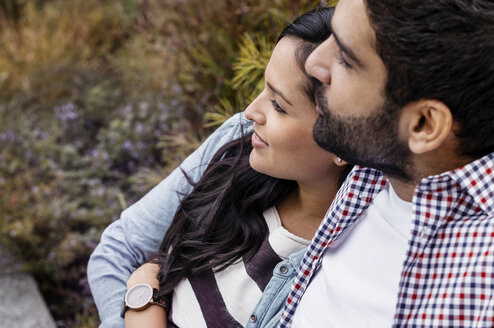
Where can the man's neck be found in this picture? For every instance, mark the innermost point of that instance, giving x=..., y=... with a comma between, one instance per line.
x=404, y=190
x=427, y=165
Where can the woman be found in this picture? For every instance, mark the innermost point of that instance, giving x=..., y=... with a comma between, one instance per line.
x=261, y=199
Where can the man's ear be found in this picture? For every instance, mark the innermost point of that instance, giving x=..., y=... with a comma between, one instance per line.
x=427, y=123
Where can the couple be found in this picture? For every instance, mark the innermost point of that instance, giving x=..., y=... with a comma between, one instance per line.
x=405, y=89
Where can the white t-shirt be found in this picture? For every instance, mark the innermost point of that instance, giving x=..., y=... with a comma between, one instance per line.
x=357, y=284
x=237, y=288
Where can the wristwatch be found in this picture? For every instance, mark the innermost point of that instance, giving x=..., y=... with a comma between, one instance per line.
x=140, y=297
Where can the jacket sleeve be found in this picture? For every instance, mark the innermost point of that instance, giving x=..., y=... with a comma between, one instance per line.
x=126, y=243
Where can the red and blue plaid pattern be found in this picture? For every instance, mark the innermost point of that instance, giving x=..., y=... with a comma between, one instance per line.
x=447, y=278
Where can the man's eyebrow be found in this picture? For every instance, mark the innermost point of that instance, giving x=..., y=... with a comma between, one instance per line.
x=279, y=93
x=346, y=50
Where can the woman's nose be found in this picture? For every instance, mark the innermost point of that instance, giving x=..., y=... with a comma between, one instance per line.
x=254, y=111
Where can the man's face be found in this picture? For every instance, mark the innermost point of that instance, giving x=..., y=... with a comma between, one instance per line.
x=356, y=122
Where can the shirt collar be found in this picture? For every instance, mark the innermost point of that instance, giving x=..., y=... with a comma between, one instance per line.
x=475, y=179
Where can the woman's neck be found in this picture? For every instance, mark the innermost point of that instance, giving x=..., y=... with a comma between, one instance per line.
x=303, y=209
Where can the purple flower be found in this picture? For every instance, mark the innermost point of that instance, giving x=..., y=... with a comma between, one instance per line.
x=66, y=113
x=127, y=110
x=140, y=145
x=91, y=244
x=105, y=156
x=83, y=283
x=40, y=134
x=8, y=136
x=139, y=128
x=93, y=153
x=127, y=145
x=176, y=88
x=28, y=155
x=164, y=126
x=33, y=119
x=163, y=107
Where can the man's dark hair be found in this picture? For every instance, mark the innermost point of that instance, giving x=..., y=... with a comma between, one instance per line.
x=444, y=50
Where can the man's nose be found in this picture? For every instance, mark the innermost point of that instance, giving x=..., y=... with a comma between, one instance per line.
x=319, y=62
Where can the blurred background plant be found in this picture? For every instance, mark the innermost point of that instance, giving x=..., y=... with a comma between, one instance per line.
x=99, y=100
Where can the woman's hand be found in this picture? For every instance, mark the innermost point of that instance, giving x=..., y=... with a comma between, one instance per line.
x=154, y=315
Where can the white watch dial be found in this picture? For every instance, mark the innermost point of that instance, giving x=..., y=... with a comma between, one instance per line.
x=139, y=295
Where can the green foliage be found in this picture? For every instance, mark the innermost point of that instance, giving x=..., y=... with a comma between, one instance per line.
x=99, y=100
x=251, y=62
x=207, y=47
x=248, y=79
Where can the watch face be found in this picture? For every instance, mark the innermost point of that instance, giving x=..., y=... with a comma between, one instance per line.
x=138, y=296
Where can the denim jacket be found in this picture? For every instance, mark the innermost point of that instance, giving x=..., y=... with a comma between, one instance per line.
x=269, y=308
x=126, y=243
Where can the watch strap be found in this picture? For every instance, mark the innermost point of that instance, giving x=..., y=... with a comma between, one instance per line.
x=157, y=300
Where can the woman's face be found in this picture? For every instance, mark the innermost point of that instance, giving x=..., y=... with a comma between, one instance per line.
x=283, y=116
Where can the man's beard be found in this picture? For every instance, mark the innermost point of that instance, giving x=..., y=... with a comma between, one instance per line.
x=370, y=141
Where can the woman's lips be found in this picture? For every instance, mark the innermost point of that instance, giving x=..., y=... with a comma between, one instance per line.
x=257, y=141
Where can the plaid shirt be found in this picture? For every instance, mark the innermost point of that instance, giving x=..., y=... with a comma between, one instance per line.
x=447, y=278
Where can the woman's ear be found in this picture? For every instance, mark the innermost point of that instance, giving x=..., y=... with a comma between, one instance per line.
x=427, y=124
x=339, y=162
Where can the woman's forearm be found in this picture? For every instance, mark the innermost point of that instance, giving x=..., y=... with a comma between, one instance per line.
x=154, y=315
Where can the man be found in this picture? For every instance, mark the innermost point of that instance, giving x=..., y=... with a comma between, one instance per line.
x=407, y=89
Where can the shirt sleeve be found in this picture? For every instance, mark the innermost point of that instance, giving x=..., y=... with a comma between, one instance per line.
x=126, y=243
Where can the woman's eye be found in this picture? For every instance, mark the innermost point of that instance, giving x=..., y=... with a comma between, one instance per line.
x=277, y=106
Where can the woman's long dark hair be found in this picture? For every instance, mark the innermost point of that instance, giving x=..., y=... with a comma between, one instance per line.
x=221, y=221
